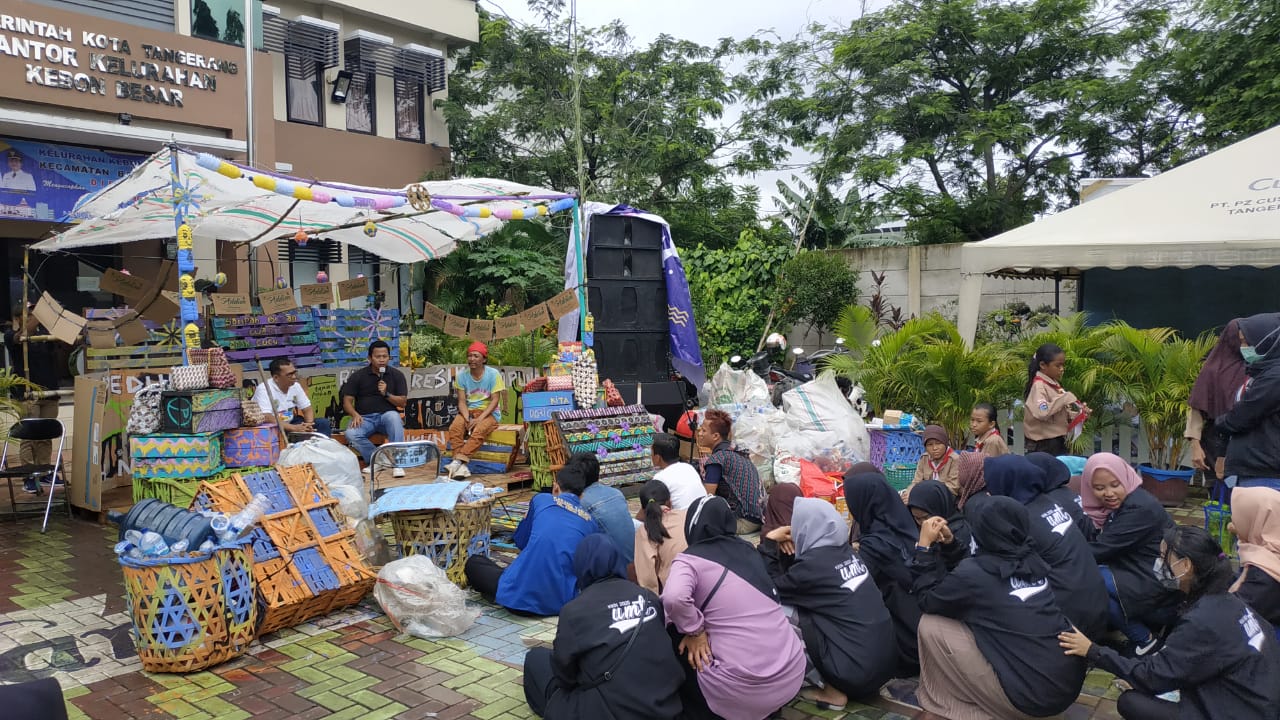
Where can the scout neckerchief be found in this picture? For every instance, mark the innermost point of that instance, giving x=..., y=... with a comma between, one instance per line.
x=936, y=466
x=983, y=440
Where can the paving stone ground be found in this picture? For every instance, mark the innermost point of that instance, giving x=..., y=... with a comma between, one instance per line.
x=63, y=615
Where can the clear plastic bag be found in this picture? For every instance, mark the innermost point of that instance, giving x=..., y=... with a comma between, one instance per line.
x=338, y=467
x=371, y=543
x=729, y=386
x=421, y=601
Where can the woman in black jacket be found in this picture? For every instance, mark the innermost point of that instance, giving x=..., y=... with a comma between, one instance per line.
x=1073, y=574
x=1222, y=656
x=885, y=543
x=1057, y=487
x=1250, y=431
x=1126, y=548
x=847, y=631
x=989, y=639
x=931, y=498
x=612, y=657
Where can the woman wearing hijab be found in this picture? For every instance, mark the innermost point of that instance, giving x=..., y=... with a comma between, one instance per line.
x=612, y=656
x=1126, y=546
x=1222, y=656
x=1073, y=573
x=989, y=639
x=777, y=514
x=973, y=482
x=848, y=636
x=1057, y=485
x=1212, y=396
x=720, y=598
x=1251, y=428
x=886, y=544
x=938, y=460
x=933, y=499
x=1255, y=515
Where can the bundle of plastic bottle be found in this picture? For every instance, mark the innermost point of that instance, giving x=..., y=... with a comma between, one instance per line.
x=230, y=527
x=476, y=492
x=149, y=545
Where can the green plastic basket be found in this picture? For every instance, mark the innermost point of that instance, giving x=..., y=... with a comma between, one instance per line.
x=1216, y=519
x=900, y=476
x=174, y=492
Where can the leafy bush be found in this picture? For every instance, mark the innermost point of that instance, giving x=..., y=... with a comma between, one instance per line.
x=732, y=293
x=813, y=287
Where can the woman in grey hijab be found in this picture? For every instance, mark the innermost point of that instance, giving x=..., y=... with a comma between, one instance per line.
x=848, y=634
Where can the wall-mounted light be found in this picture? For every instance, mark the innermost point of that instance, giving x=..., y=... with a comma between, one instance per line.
x=341, y=86
x=124, y=118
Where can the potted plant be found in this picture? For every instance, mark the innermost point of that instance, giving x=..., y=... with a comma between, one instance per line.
x=1154, y=370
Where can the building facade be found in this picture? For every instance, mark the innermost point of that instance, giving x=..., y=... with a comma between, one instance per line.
x=341, y=90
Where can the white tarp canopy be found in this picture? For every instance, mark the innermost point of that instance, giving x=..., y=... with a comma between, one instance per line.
x=1222, y=210
x=140, y=207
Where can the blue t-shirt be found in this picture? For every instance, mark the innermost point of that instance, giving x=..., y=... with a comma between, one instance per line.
x=480, y=392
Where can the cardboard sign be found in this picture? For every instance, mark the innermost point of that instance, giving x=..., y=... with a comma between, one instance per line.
x=534, y=318
x=160, y=310
x=481, y=330
x=563, y=304
x=433, y=315
x=317, y=294
x=68, y=328
x=130, y=287
x=101, y=335
x=506, y=327
x=277, y=301
x=84, y=477
x=353, y=288
x=231, y=304
x=455, y=326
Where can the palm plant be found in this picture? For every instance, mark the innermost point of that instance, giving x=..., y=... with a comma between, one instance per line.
x=1154, y=369
x=12, y=410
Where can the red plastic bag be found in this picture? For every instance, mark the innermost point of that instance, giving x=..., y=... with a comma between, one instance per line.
x=816, y=484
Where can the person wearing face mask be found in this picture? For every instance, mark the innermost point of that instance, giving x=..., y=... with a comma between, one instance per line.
x=1221, y=656
x=1250, y=430
x=1126, y=545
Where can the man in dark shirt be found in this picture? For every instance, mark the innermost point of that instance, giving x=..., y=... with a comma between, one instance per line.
x=44, y=373
x=373, y=397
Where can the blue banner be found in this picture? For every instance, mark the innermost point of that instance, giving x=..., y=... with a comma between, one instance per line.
x=43, y=181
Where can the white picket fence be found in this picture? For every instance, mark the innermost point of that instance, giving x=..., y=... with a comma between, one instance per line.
x=1124, y=440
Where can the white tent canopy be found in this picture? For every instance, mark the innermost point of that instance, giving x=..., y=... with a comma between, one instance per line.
x=140, y=207
x=1222, y=210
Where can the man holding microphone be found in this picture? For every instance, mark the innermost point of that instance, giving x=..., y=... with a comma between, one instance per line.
x=373, y=398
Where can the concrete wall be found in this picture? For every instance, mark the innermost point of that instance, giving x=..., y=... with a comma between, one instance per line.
x=920, y=279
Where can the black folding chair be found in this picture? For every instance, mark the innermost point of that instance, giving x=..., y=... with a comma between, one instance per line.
x=37, y=429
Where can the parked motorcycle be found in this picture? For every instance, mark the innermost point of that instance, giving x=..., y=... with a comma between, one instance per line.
x=778, y=378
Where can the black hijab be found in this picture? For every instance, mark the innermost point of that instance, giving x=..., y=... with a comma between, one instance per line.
x=1056, y=472
x=710, y=529
x=888, y=532
x=1261, y=332
x=597, y=558
x=1002, y=530
x=933, y=497
x=1016, y=477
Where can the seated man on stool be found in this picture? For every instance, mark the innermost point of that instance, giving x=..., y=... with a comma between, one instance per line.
x=480, y=392
x=373, y=397
x=291, y=403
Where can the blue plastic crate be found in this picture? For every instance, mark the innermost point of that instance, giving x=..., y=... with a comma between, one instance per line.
x=902, y=447
x=315, y=571
x=269, y=483
x=263, y=548
x=324, y=521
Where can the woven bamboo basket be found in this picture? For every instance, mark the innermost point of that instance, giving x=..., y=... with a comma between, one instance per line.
x=448, y=538
x=194, y=612
x=308, y=565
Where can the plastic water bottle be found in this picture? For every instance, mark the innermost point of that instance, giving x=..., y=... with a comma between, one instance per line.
x=207, y=547
x=126, y=548
x=252, y=513
x=220, y=522
x=153, y=545
x=179, y=548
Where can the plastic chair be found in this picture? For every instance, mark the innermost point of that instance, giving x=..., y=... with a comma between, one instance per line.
x=37, y=429
x=407, y=454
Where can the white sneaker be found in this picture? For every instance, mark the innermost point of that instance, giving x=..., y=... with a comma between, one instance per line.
x=451, y=468
x=462, y=472
x=398, y=472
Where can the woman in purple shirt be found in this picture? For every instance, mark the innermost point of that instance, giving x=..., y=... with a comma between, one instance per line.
x=720, y=598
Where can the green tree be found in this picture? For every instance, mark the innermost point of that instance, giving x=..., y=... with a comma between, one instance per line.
x=965, y=116
x=653, y=128
x=732, y=291
x=519, y=265
x=1222, y=66
x=813, y=287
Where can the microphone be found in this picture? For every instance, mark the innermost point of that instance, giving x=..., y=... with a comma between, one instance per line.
x=382, y=371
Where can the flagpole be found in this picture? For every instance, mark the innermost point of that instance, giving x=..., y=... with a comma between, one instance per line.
x=248, y=124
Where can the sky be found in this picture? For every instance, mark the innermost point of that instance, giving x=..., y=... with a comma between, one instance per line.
x=705, y=22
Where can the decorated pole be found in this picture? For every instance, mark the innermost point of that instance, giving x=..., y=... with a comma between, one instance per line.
x=189, y=310
x=581, y=255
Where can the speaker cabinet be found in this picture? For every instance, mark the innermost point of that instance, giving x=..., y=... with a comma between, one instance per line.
x=633, y=357
x=632, y=305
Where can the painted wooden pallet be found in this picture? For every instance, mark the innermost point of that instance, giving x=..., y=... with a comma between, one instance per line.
x=302, y=339
x=329, y=357
x=266, y=354
x=263, y=331
x=132, y=356
x=292, y=317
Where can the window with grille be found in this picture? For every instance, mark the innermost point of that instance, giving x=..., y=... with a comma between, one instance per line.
x=303, y=85
x=409, y=107
x=362, y=104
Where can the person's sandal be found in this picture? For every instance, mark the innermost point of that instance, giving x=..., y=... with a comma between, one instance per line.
x=809, y=695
